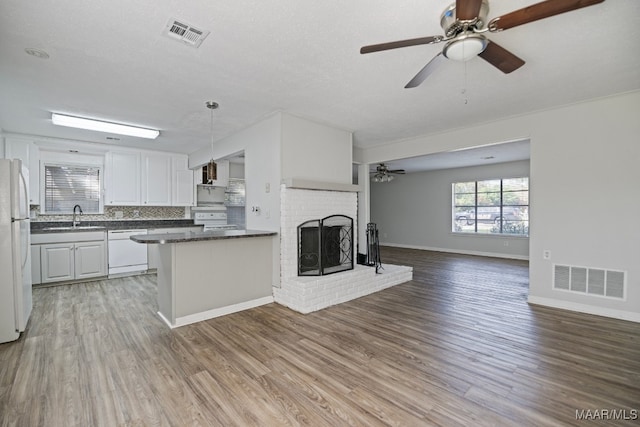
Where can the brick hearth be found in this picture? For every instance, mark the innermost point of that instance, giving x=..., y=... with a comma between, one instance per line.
x=307, y=294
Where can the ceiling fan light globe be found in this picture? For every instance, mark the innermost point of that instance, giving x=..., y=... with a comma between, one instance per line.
x=465, y=47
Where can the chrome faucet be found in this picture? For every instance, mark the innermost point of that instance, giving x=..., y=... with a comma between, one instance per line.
x=76, y=220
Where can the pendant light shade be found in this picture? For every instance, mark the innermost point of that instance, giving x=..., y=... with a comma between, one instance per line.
x=212, y=171
x=212, y=167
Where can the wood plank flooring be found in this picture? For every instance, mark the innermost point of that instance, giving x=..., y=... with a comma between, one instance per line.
x=457, y=346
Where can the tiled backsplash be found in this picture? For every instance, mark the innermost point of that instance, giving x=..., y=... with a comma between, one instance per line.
x=128, y=212
x=236, y=216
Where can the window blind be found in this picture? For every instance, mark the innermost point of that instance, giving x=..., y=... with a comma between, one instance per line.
x=69, y=185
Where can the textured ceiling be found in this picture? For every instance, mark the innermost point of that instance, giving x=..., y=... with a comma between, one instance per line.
x=109, y=60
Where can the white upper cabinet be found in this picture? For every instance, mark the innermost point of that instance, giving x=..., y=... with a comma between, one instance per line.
x=156, y=179
x=27, y=151
x=183, y=186
x=123, y=179
x=135, y=178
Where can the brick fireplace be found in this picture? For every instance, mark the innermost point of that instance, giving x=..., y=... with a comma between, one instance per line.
x=311, y=293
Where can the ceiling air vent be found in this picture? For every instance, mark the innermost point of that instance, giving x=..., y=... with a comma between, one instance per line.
x=185, y=33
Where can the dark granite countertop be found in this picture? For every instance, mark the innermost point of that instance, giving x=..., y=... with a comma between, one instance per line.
x=198, y=236
x=66, y=226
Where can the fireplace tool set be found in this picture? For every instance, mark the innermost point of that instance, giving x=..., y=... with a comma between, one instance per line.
x=373, y=247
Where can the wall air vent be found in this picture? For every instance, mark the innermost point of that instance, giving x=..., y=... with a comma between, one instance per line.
x=590, y=281
x=185, y=33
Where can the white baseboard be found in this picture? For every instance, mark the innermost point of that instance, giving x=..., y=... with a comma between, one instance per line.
x=217, y=312
x=457, y=251
x=584, y=308
x=165, y=320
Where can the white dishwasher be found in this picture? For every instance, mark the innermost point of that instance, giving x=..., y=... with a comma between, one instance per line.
x=125, y=255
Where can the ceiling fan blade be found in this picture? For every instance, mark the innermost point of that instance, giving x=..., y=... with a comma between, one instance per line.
x=538, y=11
x=501, y=58
x=400, y=43
x=426, y=71
x=400, y=171
x=466, y=10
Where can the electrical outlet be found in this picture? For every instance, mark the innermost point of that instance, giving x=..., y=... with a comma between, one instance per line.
x=136, y=214
x=546, y=254
x=267, y=187
x=506, y=243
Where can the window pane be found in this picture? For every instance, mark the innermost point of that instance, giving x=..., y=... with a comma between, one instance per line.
x=515, y=198
x=465, y=200
x=515, y=227
x=464, y=187
x=491, y=185
x=515, y=184
x=489, y=199
x=67, y=186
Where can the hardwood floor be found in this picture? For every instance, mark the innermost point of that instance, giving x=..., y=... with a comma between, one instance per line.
x=458, y=345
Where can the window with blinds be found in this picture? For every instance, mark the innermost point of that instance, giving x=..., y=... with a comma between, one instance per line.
x=68, y=185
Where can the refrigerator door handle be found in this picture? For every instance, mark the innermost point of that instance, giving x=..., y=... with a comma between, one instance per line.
x=26, y=195
x=26, y=200
x=25, y=256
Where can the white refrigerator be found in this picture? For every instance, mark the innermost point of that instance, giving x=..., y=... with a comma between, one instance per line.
x=15, y=250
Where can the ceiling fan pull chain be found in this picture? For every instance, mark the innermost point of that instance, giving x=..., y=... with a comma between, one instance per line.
x=464, y=86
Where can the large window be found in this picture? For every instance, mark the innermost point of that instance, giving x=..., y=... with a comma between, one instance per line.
x=68, y=185
x=495, y=206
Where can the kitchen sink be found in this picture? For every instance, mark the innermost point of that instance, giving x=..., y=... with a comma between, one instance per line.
x=78, y=228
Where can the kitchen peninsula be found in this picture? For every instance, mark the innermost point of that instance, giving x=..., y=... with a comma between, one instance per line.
x=206, y=274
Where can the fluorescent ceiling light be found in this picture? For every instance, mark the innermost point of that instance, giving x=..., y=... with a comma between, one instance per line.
x=100, y=126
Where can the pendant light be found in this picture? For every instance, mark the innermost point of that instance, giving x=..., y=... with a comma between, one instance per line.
x=212, y=168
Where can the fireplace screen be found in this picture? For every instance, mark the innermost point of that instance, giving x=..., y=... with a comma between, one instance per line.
x=325, y=246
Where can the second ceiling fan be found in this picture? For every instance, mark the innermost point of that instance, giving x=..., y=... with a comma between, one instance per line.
x=465, y=22
x=384, y=174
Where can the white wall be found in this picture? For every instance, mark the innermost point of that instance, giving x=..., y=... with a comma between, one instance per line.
x=584, y=177
x=261, y=146
x=236, y=170
x=414, y=210
x=586, y=199
x=314, y=151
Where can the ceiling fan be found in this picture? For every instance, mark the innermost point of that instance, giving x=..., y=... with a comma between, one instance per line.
x=384, y=174
x=465, y=22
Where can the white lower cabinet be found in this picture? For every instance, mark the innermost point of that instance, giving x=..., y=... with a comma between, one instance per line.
x=36, y=277
x=89, y=260
x=63, y=259
x=57, y=262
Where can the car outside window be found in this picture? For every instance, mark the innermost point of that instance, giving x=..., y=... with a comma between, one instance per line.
x=496, y=206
